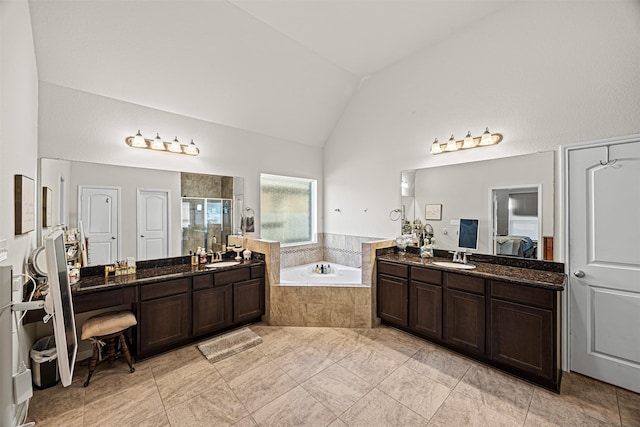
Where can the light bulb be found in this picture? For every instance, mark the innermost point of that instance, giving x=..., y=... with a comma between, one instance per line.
x=486, y=138
x=435, y=147
x=157, y=143
x=138, y=141
x=451, y=144
x=468, y=141
x=192, y=149
x=175, y=146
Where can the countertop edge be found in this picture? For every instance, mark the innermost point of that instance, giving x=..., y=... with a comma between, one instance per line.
x=428, y=263
x=112, y=282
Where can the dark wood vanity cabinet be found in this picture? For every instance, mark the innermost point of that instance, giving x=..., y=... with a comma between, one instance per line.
x=393, y=293
x=173, y=312
x=212, y=309
x=512, y=326
x=425, y=302
x=523, y=328
x=164, y=317
x=248, y=300
x=465, y=312
x=248, y=292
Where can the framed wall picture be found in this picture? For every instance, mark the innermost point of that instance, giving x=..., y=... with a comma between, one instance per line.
x=24, y=200
x=47, y=207
x=433, y=212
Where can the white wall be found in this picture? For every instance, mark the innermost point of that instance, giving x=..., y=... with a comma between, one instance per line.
x=18, y=150
x=541, y=73
x=76, y=125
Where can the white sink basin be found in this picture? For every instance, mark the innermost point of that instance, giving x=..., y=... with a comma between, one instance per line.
x=222, y=264
x=455, y=265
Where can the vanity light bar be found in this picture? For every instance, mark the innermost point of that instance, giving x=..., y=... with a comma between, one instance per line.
x=138, y=141
x=485, y=140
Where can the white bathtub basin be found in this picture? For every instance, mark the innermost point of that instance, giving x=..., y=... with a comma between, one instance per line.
x=454, y=265
x=222, y=264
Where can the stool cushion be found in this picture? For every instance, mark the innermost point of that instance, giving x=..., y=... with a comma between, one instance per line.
x=107, y=324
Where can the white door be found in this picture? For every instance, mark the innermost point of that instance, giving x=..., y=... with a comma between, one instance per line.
x=100, y=216
x=604, y=262
x=153, y=224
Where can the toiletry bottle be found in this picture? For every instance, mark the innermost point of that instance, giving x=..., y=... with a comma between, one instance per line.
x=317, y=269
x=322, y=269
x=194, y=258
x=203, y=256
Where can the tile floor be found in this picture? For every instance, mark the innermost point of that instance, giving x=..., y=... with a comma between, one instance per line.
x=326, y=377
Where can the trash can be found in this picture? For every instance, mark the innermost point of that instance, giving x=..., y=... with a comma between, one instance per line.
x=44, y=362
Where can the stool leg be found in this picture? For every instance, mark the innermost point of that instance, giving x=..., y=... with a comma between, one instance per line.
x=111, y=350
x=125, y=351
x=93, y=363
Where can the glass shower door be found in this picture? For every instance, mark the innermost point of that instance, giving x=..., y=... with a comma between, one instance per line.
x=193, y=221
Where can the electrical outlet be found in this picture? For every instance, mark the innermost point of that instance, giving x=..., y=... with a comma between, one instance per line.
x=17, y=283
x=22, y=389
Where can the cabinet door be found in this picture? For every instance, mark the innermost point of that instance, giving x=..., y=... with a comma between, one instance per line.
x=425, y=309
x=522, y=336
x=212, y=309
x=164, y=322
x=465, y=317
x=393, y=300
x=248, y=300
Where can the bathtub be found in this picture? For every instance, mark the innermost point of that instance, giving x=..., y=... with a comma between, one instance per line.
x=305, y=275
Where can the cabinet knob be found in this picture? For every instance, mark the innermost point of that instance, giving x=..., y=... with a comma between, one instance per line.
x=113, y=238
x=142, y=235
x=579, y=273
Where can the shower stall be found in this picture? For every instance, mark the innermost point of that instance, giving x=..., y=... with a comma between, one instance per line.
x=206, y=223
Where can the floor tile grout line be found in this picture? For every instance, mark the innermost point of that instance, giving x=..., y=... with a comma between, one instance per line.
x=399, y=402
x=618, y=404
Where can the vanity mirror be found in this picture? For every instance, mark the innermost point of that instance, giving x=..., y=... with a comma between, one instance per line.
x=512, y=197
x=139, y=212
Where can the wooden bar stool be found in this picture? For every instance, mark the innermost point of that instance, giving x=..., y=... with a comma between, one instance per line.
x=107, y=328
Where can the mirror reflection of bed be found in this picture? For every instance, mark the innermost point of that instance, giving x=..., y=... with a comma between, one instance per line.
x=516, y=221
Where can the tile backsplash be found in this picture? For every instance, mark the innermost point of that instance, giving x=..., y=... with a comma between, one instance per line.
x=334, y=248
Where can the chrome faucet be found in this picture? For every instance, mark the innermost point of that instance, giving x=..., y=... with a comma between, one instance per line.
x=460, y=256
x=218, y=256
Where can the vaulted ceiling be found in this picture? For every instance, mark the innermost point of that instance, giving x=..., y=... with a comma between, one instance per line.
x=286, y=69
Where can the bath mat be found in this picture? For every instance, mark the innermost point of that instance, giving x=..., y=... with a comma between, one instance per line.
x=231, y=343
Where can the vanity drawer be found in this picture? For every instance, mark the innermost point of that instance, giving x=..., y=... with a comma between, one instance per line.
x=392, y=269
x=164, y=289
x=231, y=276
x=523, y=294
x=426, y=275
x=98, y=300
x=257, y=271
x=464, y=283
x=202, y=281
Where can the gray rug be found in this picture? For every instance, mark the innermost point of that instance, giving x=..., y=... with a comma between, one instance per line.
x=231, y=343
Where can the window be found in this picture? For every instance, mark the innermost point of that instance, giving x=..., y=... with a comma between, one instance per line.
x=287, y=209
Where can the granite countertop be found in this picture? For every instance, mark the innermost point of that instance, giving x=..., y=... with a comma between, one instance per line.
x=525, y=276
x=95, y=283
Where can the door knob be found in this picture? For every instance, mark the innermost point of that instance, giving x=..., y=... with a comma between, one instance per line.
x=579, y=273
